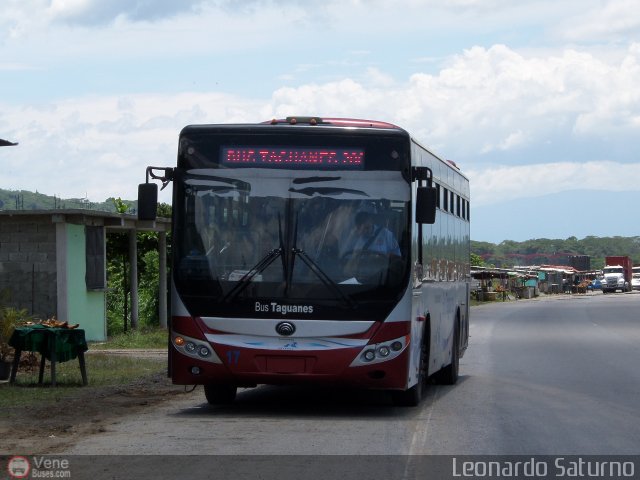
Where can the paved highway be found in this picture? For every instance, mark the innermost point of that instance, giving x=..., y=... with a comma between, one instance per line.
x=553, y=376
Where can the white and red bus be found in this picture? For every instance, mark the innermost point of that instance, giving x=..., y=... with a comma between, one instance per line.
x=268, y=283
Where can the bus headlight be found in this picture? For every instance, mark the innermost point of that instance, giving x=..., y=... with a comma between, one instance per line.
x=384, y=351
x=381, y=352
x=195, y=348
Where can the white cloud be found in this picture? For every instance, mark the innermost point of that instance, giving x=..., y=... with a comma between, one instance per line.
x=100, y=146
x=484, y=102
x=95, y=12
x=492, y=100
x=70, y=31
x=613, y=19
x=502, y=184
x=513, y=140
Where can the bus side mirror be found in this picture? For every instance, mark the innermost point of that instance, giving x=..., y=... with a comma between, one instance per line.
x=426, y=205
x=147, y=201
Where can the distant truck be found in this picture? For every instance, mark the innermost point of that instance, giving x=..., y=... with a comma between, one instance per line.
x=635, y=279
x=617, y=274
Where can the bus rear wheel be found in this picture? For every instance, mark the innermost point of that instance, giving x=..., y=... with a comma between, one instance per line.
x=220, y=394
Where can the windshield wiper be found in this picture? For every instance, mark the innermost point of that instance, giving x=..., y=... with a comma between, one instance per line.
x=314, y=267
x=258, y=268
x=324, y=278
x=288, y=260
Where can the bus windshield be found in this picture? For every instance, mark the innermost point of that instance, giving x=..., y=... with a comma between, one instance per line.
x=252, y=236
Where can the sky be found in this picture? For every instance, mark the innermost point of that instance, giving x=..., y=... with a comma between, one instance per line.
x=538, y=102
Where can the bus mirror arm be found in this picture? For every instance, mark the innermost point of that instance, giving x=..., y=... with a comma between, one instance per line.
x=148, y=192
x=426, y=205
x=165, y=178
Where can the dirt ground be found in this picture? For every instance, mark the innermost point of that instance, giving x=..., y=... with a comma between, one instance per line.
x=52, y=428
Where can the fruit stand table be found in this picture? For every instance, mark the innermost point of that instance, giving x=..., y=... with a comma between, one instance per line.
x=54, y=344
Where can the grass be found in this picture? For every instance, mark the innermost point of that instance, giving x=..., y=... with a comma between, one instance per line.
x=145, y=338
x=103, y=370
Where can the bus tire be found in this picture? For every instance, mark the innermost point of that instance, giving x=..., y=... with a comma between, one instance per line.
x=220, y=394
x=413, y=396
x=449, y=374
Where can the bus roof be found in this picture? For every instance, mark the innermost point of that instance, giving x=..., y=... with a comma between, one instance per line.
x=338, y=122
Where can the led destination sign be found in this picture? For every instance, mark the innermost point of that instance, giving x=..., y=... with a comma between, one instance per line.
x=294, y=157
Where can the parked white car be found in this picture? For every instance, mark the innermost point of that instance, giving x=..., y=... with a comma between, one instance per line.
x=635, y=281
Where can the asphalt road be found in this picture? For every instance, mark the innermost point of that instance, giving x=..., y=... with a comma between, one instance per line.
x=553, y=376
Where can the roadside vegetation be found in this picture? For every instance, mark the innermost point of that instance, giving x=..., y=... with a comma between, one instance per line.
x=148, y=337
x=118, y=271
x=103, y=370
x=545, y=251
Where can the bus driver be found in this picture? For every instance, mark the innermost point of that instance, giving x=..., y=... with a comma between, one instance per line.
x=371, y=237
x=369, y=248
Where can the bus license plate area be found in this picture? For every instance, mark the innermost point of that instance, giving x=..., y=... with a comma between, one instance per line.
x=285, y=365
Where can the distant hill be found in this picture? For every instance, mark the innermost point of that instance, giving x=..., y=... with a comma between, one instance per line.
x=24, y=200
x=545, y=251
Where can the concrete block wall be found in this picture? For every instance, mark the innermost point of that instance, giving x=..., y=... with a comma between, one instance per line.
x=28, y=276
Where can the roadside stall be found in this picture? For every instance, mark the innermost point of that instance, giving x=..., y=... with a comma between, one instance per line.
x=54, y=341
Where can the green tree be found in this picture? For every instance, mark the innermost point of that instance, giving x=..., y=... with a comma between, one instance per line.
x=476, y=260
x=118, y=268
x=149, y=288
x=120, y=206
x=556, y=251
